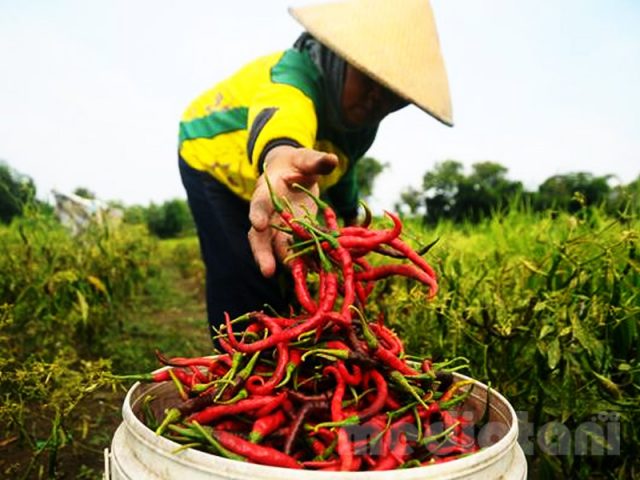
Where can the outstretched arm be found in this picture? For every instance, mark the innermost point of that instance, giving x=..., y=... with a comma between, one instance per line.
x=285, y=166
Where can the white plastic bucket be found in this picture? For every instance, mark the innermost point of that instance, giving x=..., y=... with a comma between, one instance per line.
x=137, y=453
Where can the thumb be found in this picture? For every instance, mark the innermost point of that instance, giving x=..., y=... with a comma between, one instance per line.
x=313, y=162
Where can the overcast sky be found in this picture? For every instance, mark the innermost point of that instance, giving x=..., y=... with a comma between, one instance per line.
x=91, y=92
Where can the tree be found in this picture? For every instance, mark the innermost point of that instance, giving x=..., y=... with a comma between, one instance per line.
x=85, y=193
x=16, y=190
x=134, y=215
x=485, y=191
x=412, y=198
x=169, y=220
x=560, y=191
x=625, y=198
x=367, y=169
x=441, y=185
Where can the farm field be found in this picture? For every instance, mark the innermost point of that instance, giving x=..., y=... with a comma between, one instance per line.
x=545, y=308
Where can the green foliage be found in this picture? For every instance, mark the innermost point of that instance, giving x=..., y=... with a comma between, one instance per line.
x=134, y=215
x=170, y=220
x=410, y=198
x=560, y=191
x=625, y=199
x=84, y=193
x=547, y=309
x=61, y=299
x=448, y=193
x=16, y=191
x=367, y=169
x=68, y=287
x=545, y=306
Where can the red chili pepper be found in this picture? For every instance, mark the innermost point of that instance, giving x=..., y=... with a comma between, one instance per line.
x=345, y=451
x=363, y=289
x=426, y=413
x=186, y=362
x=281, y=399
x=286, y=335
x=163, y=375
x=264, y=388
x=198, y=375
x=272, y=323
x=368, y=459
x=299, y=273
x=417, y=260
x=392, y=342
x=329, y=214
x=357, y=231
x=256, y=453
x=391, y=403
x=231, y=425
x=299, y=418
x=348, y=279
x=336, y=401
x=383, y=271
x=395, y=456
x=265, y=425
x=389, y=359
x=371, y=241
x=214, y=412
x=361, y=293
x=295, y=357
x=350, y=379
x=427, y=365
x=226, y=346
x=381, y=391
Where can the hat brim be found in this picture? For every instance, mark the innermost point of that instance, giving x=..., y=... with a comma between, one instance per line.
x=396, y=44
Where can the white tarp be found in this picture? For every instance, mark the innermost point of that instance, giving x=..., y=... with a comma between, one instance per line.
x=77, y=213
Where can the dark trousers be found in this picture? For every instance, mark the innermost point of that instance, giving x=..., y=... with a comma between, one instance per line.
x=234, y=283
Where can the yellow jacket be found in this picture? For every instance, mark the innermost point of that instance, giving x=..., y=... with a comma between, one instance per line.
x=276, y=99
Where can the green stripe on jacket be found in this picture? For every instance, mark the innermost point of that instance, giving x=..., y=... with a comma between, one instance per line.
x=298, y=70
x=223, y=121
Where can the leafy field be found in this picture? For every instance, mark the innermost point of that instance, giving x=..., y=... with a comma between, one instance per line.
x=72, y=311
x=546, y=309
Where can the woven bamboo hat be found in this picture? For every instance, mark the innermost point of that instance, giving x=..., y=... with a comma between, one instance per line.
x=395, y=43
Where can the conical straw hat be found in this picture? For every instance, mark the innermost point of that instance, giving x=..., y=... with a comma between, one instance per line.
x=394, y=42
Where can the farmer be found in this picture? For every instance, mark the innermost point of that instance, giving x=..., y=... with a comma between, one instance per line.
x=303, y=115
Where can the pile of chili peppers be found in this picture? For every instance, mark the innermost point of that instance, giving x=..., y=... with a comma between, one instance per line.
x=325, y=388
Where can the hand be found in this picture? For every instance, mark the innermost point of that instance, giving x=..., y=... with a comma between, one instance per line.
x=285, y=166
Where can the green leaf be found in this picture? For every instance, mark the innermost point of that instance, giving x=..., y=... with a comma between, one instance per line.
x=590, y=343
x=98, y=284
x=554, y=354
x=83, y=306
x=565, y=331
x=545, y=330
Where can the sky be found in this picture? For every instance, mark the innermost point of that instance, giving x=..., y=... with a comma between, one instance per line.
x=91, y=93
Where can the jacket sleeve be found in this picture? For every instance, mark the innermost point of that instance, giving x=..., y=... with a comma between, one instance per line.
x=283, y=110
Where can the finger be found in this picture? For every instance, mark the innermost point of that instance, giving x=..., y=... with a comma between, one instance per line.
x=312, y=162
x=281, y=244
x=260, y=209
x=261, y=247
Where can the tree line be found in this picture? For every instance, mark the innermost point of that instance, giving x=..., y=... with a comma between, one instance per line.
x=168, y=219
x=447, y=192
